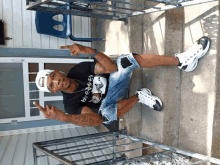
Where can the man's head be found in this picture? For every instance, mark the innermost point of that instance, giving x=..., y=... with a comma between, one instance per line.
x=52, y=81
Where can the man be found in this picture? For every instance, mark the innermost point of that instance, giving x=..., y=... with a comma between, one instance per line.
x=94, y=92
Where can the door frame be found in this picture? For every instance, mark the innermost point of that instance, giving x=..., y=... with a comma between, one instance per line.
x=41, y=61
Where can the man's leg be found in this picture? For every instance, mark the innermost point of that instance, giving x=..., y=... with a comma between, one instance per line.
x=125, y=105
x=143, y=96
x=146, y=60
x=188, y=62
x=150, y=60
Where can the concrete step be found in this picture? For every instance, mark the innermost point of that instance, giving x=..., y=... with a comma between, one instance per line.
x=190, y=100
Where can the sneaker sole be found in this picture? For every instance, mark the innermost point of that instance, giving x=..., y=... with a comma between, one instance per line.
x=161, y=104
x=150, y=93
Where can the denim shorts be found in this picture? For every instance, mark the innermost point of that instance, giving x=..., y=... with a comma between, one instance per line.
x=118, y=87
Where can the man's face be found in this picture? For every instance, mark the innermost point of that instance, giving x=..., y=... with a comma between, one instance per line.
x=57, y=82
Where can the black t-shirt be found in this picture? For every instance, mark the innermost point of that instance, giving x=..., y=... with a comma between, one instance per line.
x=83, y=73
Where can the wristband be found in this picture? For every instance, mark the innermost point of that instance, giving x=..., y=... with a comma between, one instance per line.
x=96, y=51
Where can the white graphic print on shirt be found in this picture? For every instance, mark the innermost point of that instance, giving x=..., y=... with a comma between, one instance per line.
x=99, y=86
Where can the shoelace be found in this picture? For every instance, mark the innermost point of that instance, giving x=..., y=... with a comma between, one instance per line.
x=148, y=100
x=192, y=51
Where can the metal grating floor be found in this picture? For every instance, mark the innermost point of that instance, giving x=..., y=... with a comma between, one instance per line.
x=116, y=142
x=108, y=9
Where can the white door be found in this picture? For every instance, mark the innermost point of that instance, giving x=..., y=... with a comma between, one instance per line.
x=18, y=105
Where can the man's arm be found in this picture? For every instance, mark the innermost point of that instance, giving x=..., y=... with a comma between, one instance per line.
x=86, y=119
x=83, y=119
x=104, y=64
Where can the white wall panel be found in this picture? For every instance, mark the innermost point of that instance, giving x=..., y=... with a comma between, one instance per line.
x=29, y=149
x=92, y=130
x=36, y=37
x=82, y=132
x=27, y=25
x=50, y=136
x=41, y=137
x=20, y=26
x=8, y=19
x=19, y=154
x=1, y=11
x=17, y=23
x=3, y=146
x=7, y=158
x=77, y=28
x=53, y=41
x=66, y=134
x=76, y=132
x=85, y=29
x=58, y=135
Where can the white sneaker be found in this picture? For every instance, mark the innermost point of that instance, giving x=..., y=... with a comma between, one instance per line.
x=189, y=59
x=145, y=97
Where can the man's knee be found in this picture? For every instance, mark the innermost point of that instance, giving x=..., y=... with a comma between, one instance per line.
x=86, y=110
x=125, y=62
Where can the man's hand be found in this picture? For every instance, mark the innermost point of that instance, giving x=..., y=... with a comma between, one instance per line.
x=75, y=49
x=105, y=64
x=50, y=112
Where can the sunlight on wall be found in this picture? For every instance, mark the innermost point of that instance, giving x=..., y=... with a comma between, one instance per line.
x=211, y=104
x=204, y=84
x=117, y=38
x=202, y=22
x=199, y=84
x=154, y=33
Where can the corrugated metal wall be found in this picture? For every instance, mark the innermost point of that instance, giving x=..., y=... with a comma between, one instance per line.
x=17, y=149
x=20, y=25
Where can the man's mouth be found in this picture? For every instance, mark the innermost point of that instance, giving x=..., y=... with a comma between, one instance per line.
x=63, y=83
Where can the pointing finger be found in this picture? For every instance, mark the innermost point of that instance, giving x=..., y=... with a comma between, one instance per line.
x=65, y=47
x=39, y=107
x=48, y=107
x=74, y=52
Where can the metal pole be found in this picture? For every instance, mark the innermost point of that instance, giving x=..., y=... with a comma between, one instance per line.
x=73, y=12
x=105, y=5
x=77, y=150
x=114, y=146
x=56, y=156
x=102, y=143
x=169, y=7
x=117, y=153
x=134, y=4
x=38, y=3
x=73, y=139
x=35, y=155
x=87, y=9
x=202, y=161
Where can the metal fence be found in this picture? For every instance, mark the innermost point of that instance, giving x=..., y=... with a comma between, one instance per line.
x=108, y=9
x=118, y=142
